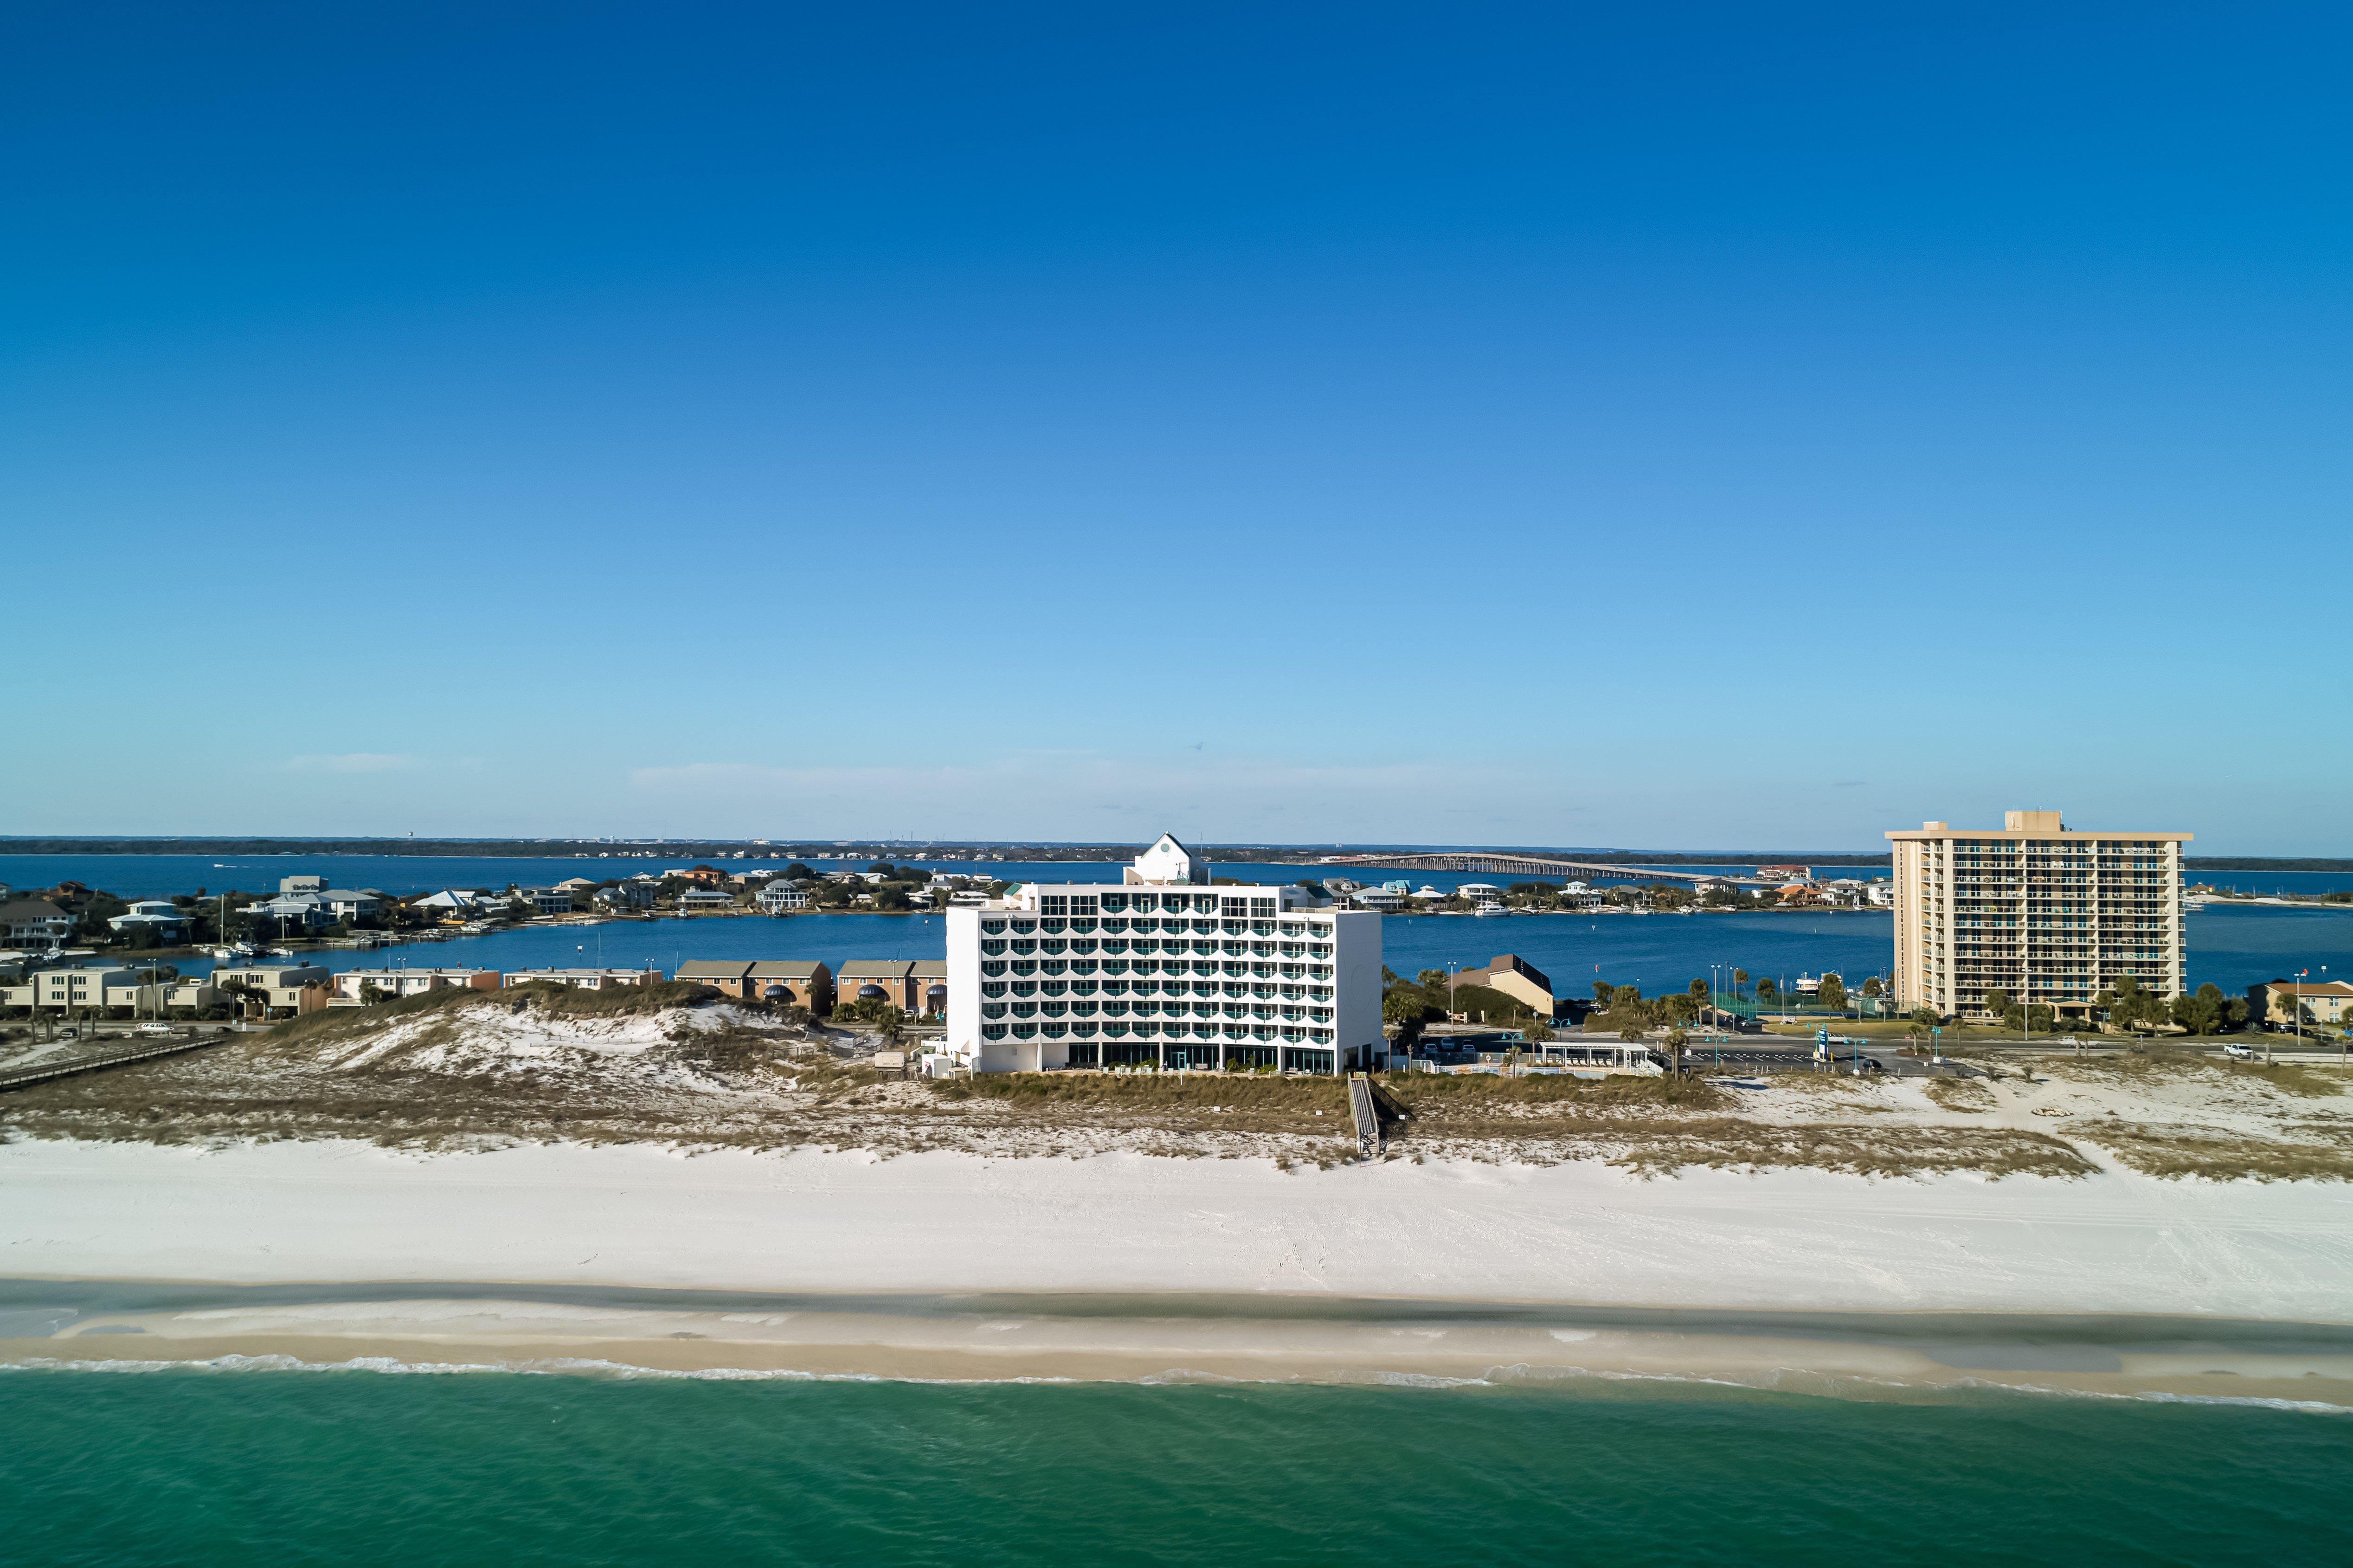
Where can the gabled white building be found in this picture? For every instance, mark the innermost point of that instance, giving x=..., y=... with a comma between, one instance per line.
x=1162, y=968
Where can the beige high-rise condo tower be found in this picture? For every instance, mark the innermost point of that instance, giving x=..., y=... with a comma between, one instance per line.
x=2047, y=915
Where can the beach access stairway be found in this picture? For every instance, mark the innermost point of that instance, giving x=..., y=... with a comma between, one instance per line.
x=95, y=1061
x=1366, y=1114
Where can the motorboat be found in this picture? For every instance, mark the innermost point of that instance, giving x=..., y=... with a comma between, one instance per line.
x=1489, y=910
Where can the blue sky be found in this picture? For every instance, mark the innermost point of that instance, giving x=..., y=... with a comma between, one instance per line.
x=1635, y=425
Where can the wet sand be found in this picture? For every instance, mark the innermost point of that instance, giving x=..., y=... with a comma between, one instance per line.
x=1885, y=1356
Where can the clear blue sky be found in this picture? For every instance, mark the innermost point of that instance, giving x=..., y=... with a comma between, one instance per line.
x=1629, y=425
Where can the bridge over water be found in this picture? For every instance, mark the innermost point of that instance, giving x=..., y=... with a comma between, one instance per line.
x=1502, y=865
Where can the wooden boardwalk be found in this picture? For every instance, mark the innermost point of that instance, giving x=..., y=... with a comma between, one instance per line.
x=1368, y=1115
x=97, y=1061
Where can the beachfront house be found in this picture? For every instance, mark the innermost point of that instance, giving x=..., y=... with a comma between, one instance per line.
x=279, y=990
x=458, y=904
x=549, y=900
x=1164, y=970
x=358, y=984
x=1517, y=978
x=71, y=990
x=160, y=919
x=781, y=897
x=292, y=913
x=704, y=901
x=929, y=981
x=2282, y=1004
x=892, y=980
x=581, y=979
x=791, y=983
x=34, y=925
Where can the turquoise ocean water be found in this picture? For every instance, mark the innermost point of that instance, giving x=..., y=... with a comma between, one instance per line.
x=205, y=1467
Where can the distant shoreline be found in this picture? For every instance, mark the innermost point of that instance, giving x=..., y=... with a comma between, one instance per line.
x=1258, y=853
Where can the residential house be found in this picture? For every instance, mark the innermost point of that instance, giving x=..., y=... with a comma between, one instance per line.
x=579, y=886
x=345, y=905
x=34, y=925
x=153, y=995
x=354, y=983
x=581, y=979
x=75, y=990
x=549, y=900
x=724, y=975
x=458, y=904
x=292, y=912
x=791, y=983
x=702, y=876
x=282, y=989
x=2329, y=1003
x=780, y=897
x=1517, y=978
x=890, y=979
x=930, y=980
x=302, y=884
x=158, y=918
x=704, y=901
x=1377, y=899
x=626, y=896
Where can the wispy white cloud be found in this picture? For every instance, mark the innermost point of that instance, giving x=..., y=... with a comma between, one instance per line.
x=349, y=763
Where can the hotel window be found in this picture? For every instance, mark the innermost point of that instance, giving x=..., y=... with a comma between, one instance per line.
x=1054, y=904
x=1083, y=905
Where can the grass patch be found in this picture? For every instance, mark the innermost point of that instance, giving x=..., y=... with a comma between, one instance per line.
x=1728, y=1142
x=1420, y=1092
x=2216, y=1156
x=1960, y=1094
x=2291, y=1078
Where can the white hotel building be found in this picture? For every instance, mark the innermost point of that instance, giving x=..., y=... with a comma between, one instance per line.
x=1162, y=968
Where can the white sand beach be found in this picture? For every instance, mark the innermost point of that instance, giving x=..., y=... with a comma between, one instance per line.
x=852, y=1222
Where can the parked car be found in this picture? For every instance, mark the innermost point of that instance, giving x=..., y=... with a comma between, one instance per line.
x=152, y=1027
x=2239, y=1051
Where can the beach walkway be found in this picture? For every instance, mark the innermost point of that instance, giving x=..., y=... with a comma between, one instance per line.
x=95, y=1061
